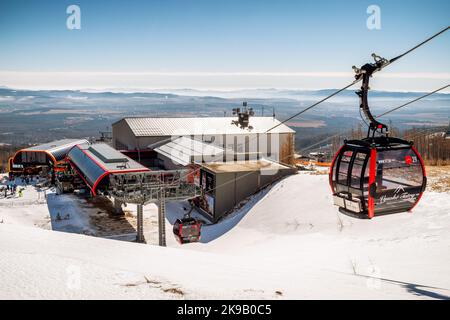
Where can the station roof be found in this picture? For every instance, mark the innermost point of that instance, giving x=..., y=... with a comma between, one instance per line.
x=57, y=150
x=95, y=162
x=148, y=127
x=244, y=166
x=58, y=144
x=185, y=151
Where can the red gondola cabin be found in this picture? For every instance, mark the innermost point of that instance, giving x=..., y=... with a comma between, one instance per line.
x=376, y=176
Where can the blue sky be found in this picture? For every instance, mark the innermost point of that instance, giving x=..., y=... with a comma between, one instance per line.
x=219, y=44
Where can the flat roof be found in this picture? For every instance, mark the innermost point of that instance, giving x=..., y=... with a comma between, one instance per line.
x=185, y=151
x=243, y=166
x=107, y=154
x=148, y=127
x=110, y=159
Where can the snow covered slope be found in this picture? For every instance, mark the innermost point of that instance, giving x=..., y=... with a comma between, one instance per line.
x=288, y=242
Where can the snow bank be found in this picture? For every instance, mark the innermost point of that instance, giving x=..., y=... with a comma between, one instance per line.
x=289, y=239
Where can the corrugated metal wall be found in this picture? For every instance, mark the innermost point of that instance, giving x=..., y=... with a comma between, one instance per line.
x=280, y=151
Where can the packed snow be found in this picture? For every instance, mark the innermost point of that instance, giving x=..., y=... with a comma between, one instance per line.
x=287, y=242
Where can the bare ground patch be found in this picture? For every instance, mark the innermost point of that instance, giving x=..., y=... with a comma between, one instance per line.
x=438, y=178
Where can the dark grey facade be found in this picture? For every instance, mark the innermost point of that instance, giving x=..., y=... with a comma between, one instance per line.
x=224, y=189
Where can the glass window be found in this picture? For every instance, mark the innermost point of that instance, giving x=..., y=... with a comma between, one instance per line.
x=398, y=180
x=398, y=168
x=366, y=176
x=190, y=231
x=333, y=178
x=343, y=167
x=207, y=181
x=357, y=168
x=209, y=139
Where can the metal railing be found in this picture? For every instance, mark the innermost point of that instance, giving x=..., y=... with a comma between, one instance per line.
x=145, y=187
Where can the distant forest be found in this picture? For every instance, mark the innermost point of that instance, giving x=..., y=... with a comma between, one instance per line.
x=430, y=142
x=6, y=151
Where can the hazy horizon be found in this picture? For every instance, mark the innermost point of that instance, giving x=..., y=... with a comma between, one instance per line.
x=211, y=45
x=200, y=91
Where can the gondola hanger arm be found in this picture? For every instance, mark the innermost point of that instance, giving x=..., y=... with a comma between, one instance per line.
x=382, y=65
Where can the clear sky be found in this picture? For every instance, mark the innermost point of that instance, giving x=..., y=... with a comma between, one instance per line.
x=219, y=44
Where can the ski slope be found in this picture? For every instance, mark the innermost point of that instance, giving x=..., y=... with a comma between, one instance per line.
x=288, y=242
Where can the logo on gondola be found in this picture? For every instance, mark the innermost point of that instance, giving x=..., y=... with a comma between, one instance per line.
x=408, y=160
x=383, y=161
x=399, y=194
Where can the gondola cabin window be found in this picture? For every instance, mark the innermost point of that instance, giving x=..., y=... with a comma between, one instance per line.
x=343, y=167
x=397, y=169
x=357, y=170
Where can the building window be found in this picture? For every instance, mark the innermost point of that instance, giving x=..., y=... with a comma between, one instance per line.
x=207, y=181
x=209, y=139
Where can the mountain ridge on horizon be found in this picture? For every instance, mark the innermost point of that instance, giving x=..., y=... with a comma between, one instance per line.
x=165, y=93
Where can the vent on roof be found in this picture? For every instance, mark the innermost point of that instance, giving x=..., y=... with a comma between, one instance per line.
x=107, y=154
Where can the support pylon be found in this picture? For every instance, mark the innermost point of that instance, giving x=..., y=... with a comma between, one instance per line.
x=162, y=218
x=140, y=224
x=117, y=207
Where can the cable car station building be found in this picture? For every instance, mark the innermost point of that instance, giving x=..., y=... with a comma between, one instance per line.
x=44, y=157
x=246, y=142
x=216, y=162
x=50, y=153
x=229, y=161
